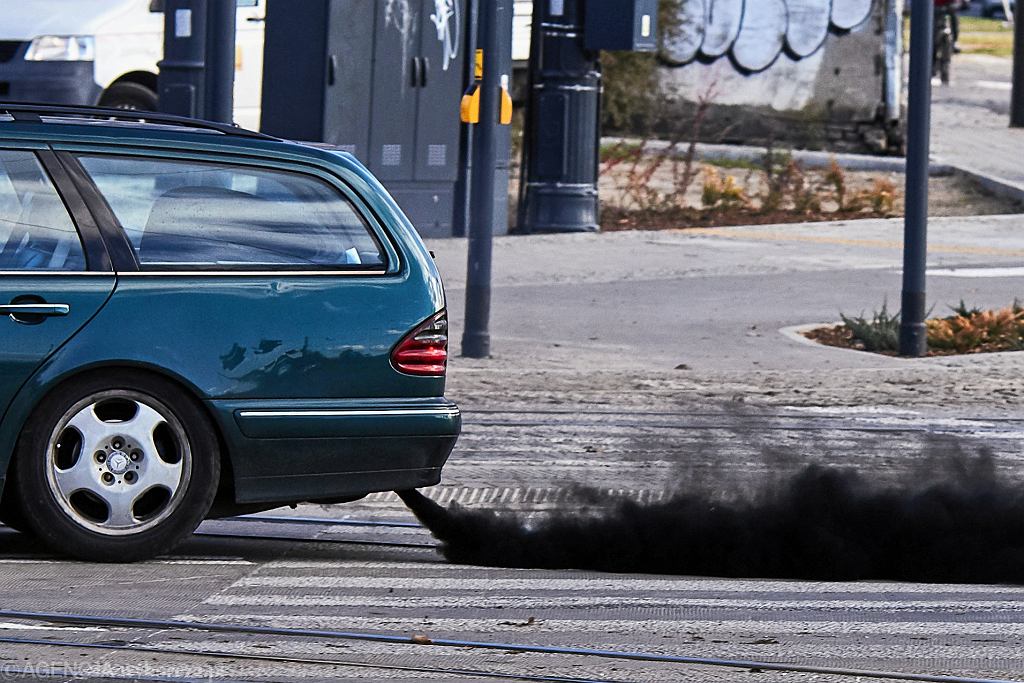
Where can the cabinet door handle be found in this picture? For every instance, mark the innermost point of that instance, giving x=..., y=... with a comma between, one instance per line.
x=424, y=68
x=416, y=72
x=332, y=69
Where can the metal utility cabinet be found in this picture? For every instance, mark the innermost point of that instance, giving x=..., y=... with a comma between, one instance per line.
x=380, y=79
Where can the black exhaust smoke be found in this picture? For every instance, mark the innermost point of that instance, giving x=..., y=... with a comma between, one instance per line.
x=958, y=522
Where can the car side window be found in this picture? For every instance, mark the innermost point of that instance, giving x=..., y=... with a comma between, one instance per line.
x=185, y=214
x=36, y=231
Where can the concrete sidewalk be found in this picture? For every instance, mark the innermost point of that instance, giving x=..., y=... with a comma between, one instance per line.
x=702, y=312
x=971, y=116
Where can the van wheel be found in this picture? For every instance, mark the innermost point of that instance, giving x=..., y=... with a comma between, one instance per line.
x=116, y=467
x=129, y=95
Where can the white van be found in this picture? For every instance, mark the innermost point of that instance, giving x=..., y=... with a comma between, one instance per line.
x=106, y=51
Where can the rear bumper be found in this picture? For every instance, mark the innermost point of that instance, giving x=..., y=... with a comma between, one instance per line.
x=49, y=82
x=293, y=451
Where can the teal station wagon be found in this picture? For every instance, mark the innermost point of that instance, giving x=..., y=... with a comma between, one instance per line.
x=199, y=320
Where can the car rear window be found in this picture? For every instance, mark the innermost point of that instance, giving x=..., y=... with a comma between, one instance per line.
x=195, y=215
x=36, y=232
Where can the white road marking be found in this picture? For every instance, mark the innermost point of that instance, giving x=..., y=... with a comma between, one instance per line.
x=1005, y=86
x=520, y=601
x=11, y=626
x=331, y=569
x=978, y=272
x=598, y=583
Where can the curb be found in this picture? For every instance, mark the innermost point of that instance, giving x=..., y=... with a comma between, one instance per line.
x=1000, y=187
x=808, y=158
x=795, y=333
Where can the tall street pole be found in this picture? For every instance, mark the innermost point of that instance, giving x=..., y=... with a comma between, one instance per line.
x=1017, y=94
x=913, y=334
x=476, y=337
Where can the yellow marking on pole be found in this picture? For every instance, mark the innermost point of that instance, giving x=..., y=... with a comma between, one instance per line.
x=469, y=110
x=478, y=69
x=505, y=117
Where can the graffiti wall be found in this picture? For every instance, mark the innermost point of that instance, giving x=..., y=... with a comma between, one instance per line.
x=813, y=73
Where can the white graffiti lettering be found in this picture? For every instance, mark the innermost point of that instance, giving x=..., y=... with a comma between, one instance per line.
x=399, y=15
x=448, y=23
x=757, y=32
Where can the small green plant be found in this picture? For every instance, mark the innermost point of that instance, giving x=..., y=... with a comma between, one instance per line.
x=962, y=309
x=880, y=332
x=621, y=151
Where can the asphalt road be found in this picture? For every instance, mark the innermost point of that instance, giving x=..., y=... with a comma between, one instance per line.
x=525, y=460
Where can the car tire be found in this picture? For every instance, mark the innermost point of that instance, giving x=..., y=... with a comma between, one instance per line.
x=127, y=95
x=116, y=467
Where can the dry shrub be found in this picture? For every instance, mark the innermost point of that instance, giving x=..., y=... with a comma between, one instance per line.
x=789, y=187
x=722, y=192
x=836, y=178
x=636, y=163
x=972, y=330
x=881, y=196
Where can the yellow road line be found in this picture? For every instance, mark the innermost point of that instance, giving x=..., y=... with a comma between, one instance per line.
x=776, y=236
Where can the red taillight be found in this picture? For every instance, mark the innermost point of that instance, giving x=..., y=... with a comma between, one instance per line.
x=424, y=351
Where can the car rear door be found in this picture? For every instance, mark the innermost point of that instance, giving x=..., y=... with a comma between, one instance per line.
x=54, y=273
x=252, y=278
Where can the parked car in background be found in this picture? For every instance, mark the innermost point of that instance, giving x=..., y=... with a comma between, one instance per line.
x=201, y=320
x=106, y=52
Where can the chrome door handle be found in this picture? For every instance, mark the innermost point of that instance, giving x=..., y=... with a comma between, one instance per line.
x=34, y=309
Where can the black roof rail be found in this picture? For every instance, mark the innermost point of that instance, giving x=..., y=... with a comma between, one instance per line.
x=31, y=111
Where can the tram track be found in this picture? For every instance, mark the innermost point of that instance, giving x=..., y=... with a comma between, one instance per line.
x=420, y=640
x=277, y=659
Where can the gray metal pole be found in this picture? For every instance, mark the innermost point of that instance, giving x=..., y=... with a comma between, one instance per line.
x=182, y=78
x=1017, y=96
x=220, y=60
x=476, y=338
x=913, y=335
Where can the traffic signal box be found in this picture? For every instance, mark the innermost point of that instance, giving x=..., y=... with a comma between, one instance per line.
x=627, y=25
x=381, y=80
